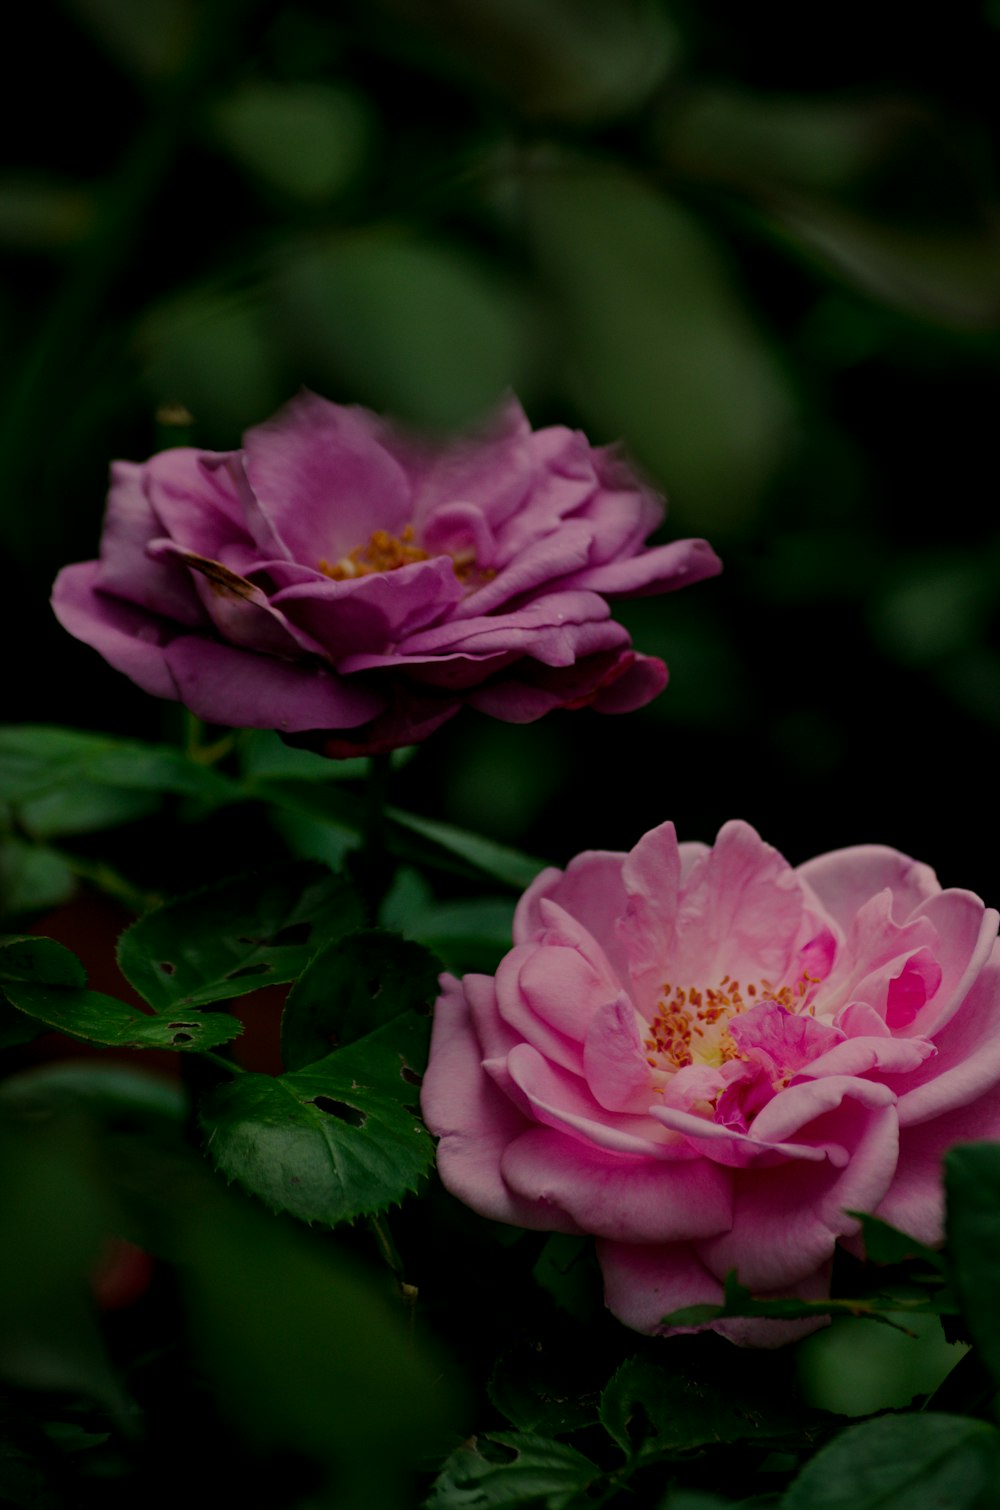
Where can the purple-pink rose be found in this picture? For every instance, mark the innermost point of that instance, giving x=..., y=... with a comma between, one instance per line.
x=706, y=1059
x=337, y=576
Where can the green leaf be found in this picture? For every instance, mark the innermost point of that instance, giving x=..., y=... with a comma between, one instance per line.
x=303, y=1350
x=54, y=1214
x=306, y=139
x=97, y=1018
x=885, y=1244
x=409, y=324
x=32, y=878
x=26, y=957
x=532, y=1469
x=656, y=342
x=485, y=855
x=38, y=760
x=972, y=1184
x=537, y=1386
x=568, y=1269
x=229, y=939
x=353, y=985
x=651, y=1411
x=425, y=840
x=331, y=1142
x=912, y=1462
x=114, y=1092
x=739, y=1302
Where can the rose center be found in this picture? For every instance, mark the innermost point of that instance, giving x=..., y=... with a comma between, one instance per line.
x=385, y=553
x=691, y=1025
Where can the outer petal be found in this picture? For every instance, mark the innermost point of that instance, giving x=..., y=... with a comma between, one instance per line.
x=644, y=1284
x=914, y=1201
x=662, y=569
x=129, y=638
x=630, y=1200
x=967, y=1063
x=845, y=879
x=125, y=568
x=474, y=1121
x=224, y=685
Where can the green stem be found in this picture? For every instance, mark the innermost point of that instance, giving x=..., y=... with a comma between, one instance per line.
x=229, y=1065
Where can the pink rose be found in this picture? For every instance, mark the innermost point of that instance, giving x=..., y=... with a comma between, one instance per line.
x=705, y=1057
x=338, y=576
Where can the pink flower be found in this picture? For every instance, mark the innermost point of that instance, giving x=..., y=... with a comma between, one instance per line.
x=704, y=1058
x=338, y=576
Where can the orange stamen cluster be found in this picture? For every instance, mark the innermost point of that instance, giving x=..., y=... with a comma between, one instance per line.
x=690, y=1023
x=383, y=552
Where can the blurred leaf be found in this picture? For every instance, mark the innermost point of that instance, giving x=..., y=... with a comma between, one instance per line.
x=54, y=1214
x=931, y=607
x=307, y=139
x=97, y=1018
x=655, y=342
x=856, y=1369
x=873, y=188
x=303, y=1350
x=949, y=277
x=335, y=1140
x=574, y=60
x=728, y=135
x=915, y=1462
x=230, y=938
x=531, y=1470
x=83, y=808
x=32, y=878
x=418, y=327
x=38, y=213
x=972, y=1184
x=149, y=41
x=353, y=985
x=113, y=1093
x=39, y=760
x=210, y=350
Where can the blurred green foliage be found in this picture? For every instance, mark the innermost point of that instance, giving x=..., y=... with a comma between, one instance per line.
x=765, y=258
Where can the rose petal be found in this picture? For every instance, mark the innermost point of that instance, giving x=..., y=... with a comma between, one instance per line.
x=631, y=1200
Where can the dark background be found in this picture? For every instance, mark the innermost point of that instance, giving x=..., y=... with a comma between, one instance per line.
x=759, y=244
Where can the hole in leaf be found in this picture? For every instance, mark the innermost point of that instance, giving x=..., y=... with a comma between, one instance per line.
x=182, y=1038
x=293, y=933
x=168, y=967
x=182, y=1024
x=260, y=968
x=410, y=1076
x=341, y=1111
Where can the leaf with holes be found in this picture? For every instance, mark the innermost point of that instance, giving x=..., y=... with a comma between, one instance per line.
x=354, y=985
x=512, y=1468
x=230, y=938
x=331, y=1142
x=97, y=1018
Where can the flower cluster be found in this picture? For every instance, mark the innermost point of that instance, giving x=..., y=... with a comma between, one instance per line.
x=339, y=578
x=707, y=1059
